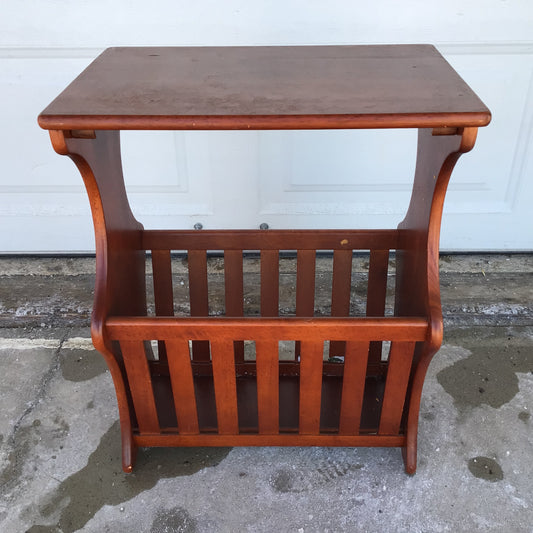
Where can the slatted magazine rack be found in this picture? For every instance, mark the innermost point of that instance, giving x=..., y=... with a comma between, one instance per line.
x=219, y=380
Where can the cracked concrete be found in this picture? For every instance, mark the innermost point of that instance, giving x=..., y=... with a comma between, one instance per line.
x=60, y=443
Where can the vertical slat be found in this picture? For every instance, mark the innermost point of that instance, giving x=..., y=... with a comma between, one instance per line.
x=162, y=271
x=305, y=289
x=163, y=295
x=233, y=285
x=179, y=365
x=305, y=283
x=353, y=387
x=267, y=364
x=269, y=283
x=198, y=295
x=225, y=386
x=340, y=293
x=377, y=294
x=310, y=386
x=140, y=383
x=400, y=360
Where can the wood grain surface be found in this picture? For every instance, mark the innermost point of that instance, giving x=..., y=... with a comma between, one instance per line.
x=267, y=88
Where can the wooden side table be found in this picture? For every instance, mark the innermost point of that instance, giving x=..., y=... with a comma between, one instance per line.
x=198, y=388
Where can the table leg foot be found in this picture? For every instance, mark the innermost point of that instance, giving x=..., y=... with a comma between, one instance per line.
x=409, y=458
x=129, y=453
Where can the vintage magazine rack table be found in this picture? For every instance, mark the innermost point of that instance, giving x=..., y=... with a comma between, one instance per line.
x=200, y=390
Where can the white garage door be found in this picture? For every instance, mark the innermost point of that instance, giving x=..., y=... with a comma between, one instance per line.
x=285, y=179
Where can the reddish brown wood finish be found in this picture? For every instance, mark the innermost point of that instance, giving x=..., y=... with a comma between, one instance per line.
x=198, y=297
x=269, y=283
x=216, y=397
x=297, y=87
x=340, y=293
x=353, y=387
x=163, y=292
x=267, y=386
x=377, y=293
x=233, y=286
x=179, y=364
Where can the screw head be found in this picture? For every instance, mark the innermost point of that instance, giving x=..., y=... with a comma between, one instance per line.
x=264, y=225
x=198, y=225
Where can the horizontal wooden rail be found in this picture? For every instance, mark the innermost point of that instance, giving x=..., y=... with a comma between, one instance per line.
x=348, y=329
x=281, y=439
x=269, y=239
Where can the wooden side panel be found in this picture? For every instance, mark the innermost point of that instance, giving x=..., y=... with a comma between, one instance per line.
x=179, y=365
x=225, y=386
x=140, y=384
x=310, y=386
x=400, y=360
x=267, y=386
x=269, y=283
x=353, y=387
x=340, y=293
x=377, y=294
x=197, y=262
x=233, y=286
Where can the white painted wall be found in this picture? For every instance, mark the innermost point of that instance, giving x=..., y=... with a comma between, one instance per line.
x=287, y=179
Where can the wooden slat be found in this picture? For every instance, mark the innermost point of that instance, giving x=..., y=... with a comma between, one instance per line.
x=233, y=286
x=198, y=295
x=179, y=364
x=140, y=384
x=340, y=293
x=225, y=387
x=353, y=387
x=267, y=365
x=377, y=293
x=163, y=294
x=269, y=240
x=401, y=357
x=162, y=273
x=305, y=289
x=305, y=283
x=310, y=386
x=233, y=282
x=269, y=283
x=359, y=329
x=282, y=439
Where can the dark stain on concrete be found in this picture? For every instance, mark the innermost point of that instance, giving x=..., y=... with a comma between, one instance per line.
x=20, y=448
x=283, y=481
x=46, y=435
x=485, y=468
x=176, y=520
x=288, y=480
x=524, y=416
x=61, y=429
x=81, y=365
x=101, y=482
x=488, y=374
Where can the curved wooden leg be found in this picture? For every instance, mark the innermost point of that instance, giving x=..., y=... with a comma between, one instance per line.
x=417, y=259
x=120, y=259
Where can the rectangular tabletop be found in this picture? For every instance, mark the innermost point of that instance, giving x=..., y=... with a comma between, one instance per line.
x=278, y=87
